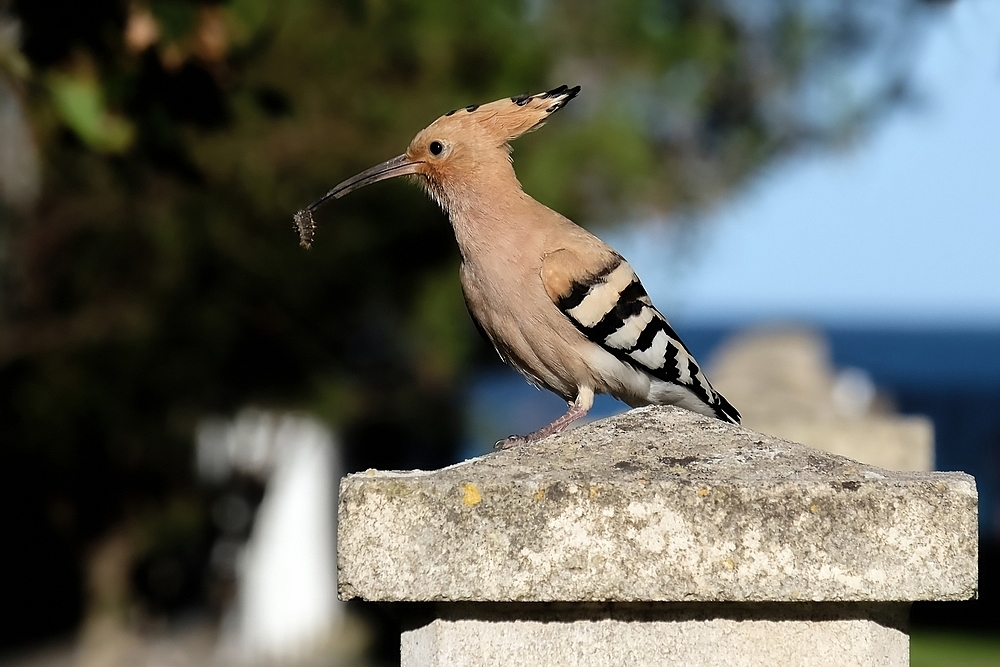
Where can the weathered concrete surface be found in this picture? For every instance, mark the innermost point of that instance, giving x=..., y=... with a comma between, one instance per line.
x=658, y=504
x=689, y=634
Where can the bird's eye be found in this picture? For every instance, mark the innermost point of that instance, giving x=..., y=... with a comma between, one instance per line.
x=436, y=148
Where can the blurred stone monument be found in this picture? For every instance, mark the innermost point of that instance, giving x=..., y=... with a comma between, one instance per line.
x=285, y=609
x=784, y=384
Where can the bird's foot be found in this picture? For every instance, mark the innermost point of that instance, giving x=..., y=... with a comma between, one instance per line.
x=575, y=412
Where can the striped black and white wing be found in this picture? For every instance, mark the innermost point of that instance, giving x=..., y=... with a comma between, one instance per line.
x=611, y=308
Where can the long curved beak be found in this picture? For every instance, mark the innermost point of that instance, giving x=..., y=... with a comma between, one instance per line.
x=397, y=166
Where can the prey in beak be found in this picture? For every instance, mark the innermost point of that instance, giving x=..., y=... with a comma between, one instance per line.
x=397, y=166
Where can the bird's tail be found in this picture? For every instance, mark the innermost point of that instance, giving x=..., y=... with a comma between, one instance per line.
x=725, y=411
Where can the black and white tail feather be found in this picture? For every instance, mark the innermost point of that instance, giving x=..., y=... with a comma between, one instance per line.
x=611, y=308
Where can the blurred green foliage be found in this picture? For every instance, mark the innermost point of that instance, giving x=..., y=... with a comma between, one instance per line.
x=158, y=279
x=953, y=649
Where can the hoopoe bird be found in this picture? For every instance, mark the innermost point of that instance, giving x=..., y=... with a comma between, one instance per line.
x=557, y=303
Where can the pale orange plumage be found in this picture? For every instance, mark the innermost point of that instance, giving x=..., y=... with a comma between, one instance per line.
x=555, y=301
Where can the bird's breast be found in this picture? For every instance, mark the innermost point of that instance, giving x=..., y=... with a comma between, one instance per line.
x=515, y=314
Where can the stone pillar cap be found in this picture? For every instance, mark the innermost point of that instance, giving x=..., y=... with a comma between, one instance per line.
x=658, y=504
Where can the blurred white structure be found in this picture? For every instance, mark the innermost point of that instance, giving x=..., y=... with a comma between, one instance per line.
x=286, y=607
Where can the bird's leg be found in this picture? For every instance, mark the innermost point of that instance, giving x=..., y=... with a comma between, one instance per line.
x=577, y=409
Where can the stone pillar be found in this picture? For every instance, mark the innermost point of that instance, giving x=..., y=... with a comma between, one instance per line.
x=659, y=537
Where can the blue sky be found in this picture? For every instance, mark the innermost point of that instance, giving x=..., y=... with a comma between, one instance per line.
x=901, y=228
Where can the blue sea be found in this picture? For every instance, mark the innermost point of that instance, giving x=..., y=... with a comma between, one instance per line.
x=950, y=375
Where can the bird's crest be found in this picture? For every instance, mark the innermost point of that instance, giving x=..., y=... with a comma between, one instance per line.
x=508, y=118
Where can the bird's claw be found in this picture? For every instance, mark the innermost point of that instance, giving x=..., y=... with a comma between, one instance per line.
x=510, y=442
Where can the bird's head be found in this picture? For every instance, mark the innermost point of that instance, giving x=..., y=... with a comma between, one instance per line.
x=456, y=149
